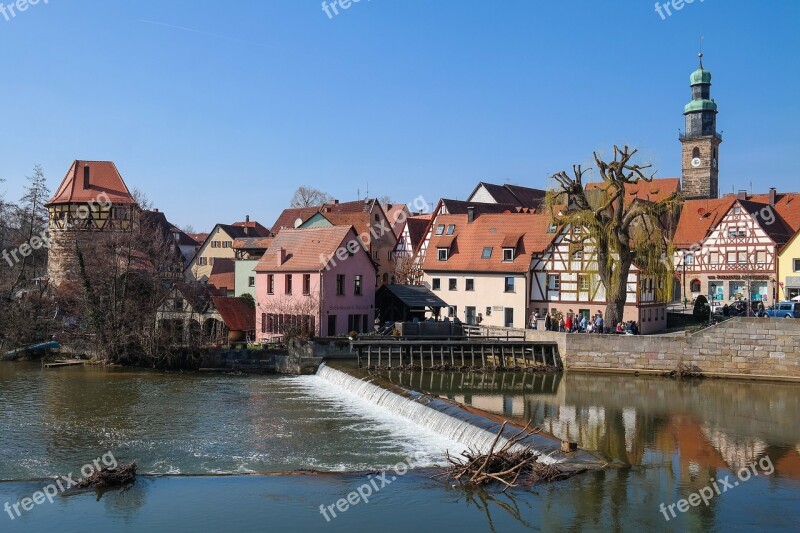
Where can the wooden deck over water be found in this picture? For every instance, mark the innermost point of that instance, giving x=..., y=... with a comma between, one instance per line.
x=471, y=352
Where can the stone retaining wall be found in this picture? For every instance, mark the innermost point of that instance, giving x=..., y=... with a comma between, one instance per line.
x=739, y=347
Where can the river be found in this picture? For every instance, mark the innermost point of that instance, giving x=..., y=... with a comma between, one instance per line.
x=202, y=437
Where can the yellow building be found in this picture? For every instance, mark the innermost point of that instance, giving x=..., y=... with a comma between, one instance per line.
x=789, y=269
x=219, y=245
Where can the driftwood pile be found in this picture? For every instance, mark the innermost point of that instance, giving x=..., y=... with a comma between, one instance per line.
x=110, y=477
x=505, y=464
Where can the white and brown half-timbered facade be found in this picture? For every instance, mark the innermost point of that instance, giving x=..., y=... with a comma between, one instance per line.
x=564, y=279
x=727, y=248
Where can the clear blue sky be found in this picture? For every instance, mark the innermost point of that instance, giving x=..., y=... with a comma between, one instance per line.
x=220, y=109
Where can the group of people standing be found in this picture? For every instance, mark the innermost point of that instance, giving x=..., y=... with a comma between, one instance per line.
x=572, y=323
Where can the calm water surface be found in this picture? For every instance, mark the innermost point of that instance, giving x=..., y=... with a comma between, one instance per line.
x=667, y=438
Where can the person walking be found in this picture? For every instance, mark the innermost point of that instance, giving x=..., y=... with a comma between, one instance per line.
x=568, y=324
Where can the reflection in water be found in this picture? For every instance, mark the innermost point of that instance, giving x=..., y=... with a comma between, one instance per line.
x=638, y=420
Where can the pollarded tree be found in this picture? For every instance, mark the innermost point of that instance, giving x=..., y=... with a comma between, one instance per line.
x=623, y=233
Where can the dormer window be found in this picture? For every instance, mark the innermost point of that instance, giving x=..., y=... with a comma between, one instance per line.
x=487, y=253
x=439, y=229
x=444, y=253
x=552, y=228
x=451, y=229
x=508, y=254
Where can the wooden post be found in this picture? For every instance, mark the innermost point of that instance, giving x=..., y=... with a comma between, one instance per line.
x=369, y=355
x=472, y=352
x=452, y=357
x=462, y=354
x=483, y=356
x=380, y=356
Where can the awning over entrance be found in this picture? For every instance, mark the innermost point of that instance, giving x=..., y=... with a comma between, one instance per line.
x=401, y=303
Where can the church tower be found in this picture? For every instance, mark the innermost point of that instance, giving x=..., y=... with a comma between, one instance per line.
x=700, y=161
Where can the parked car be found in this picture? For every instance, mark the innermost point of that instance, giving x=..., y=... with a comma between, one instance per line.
x=784, y=310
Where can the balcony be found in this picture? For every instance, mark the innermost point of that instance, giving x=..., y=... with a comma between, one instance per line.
x=682, y=136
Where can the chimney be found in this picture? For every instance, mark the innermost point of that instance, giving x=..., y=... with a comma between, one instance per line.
x=772, y=194
x=86, y=176
x=470, y=214
x=155, y=210
x=336, y=202
x=247, y=218
x=281, y=256
x=742, y=195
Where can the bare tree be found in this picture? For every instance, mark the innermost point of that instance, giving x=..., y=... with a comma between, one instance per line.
x=623, y=232
x=407, y=269
x=309, y=196
x=292, y=318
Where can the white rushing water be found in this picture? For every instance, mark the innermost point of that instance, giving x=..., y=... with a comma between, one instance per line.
x=375, y=400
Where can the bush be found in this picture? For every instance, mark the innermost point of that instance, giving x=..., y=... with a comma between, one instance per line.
x=702, y=311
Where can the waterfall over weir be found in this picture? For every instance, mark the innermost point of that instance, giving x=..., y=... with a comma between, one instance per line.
x=439, y=416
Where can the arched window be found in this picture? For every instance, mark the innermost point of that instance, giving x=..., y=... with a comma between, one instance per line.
x=695, y=152
x=695, y=285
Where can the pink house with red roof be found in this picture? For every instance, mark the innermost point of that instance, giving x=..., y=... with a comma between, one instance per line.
x=317, y=280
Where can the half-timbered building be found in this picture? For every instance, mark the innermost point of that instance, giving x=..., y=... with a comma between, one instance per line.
x=727, y=248
x=564, y=279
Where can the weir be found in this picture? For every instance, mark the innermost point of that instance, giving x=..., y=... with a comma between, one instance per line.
x=447, y=418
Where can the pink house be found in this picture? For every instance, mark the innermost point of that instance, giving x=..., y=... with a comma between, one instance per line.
x=319, y=280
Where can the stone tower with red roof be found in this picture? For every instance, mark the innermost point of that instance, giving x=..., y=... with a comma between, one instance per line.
x=92, y=199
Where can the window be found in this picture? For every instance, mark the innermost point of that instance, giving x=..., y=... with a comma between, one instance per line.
x=375, y=255
x=743, y=257
x=487, y=253
x=737, y=233
x=694, y=286
x=436, y=284
x=761, y=257
x=306, y=284
x=714, y=258
x=695, y=152
x=453, y=311
x=553, y=282
x=737, y=210
x=583, y=282
x=357, y=285
x=508, y=254
x=451, y=229
x=796, y=265
x=509, y=284
x=270, y=283
x=439, y=229
x=552, y=228
x=215, y=244
x=452, y=284
x=377, y=217
x=179, y=304
x=202, y=261
x=389, y=255
x=227, y=244
x=731, y=257
x=688, y=259
x=288, y=284
x=443, y=254
x=577, y=255
x=469, y=285
x=263, y=322
x=251, y=281
x=339, y=284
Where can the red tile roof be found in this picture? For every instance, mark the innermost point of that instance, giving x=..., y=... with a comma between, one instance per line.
x=198, y=238
x=104, y=179
x=237, y=314
x=490, y=230
x=652, y=191
x=306, y=250
x=252, y=243
x=417, y=225
x=223, y=274
x=700, y=217
x=293, y=217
